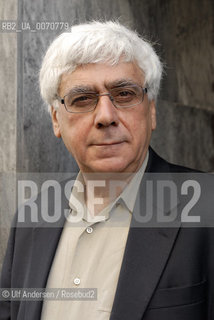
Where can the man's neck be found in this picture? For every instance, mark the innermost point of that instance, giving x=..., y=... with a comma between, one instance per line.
x=101, y=189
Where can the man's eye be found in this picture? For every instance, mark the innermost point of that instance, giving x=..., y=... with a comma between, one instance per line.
x=126, y=93
x=81, y=100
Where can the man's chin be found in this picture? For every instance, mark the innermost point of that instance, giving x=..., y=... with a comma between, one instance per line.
x=107, y=166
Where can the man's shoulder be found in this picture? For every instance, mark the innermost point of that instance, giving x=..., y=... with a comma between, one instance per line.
x=157, y=164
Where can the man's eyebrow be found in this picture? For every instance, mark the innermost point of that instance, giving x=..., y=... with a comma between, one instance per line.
x=121, y=83
x=80, y=89
x=112, y=84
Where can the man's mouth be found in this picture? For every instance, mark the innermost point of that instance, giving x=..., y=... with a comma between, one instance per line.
x=106, y=144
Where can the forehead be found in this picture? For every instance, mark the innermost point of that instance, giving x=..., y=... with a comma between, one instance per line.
x=99, y=75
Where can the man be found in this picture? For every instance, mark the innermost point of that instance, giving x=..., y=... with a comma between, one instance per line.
x=101, y=82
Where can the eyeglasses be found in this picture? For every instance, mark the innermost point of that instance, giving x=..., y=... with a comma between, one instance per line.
x=121, y=97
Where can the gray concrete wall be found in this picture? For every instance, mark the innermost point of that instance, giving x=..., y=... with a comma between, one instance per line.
x=8, y=121
x=183, y=34
x=185, y=132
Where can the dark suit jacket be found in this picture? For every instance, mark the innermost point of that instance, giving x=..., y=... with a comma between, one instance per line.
x=167, y=272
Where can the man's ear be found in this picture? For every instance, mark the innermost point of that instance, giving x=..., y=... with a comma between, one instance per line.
x=153, y=114
x=55, y=122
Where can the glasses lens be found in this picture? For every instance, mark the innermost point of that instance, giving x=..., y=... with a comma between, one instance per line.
x=80, y=103
x=127, y=96
x=122, y=97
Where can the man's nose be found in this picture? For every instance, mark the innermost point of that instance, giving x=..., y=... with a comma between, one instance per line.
x=106, y=113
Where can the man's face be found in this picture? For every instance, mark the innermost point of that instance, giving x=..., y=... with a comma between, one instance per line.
x=107, y=139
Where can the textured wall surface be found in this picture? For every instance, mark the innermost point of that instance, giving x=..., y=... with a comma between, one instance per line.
x=184, y=31
x=188, y=131
x=8, y=93
x=183, y=34
x=8, y=64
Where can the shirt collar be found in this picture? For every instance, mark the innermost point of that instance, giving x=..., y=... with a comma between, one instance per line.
x=129, y=194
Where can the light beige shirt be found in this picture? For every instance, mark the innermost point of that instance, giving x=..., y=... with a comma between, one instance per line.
x=89, y=255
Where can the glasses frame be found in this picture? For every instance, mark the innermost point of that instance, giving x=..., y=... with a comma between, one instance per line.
x=62, y=100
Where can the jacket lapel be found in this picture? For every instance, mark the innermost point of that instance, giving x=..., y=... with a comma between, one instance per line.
x=45, y=238
x=45, y=241
x=145, y=256
x=147, y=250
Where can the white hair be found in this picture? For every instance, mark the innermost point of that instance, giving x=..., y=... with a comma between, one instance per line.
x=98, y=42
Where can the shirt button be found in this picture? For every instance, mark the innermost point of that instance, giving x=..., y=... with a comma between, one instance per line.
x=89, y=229
x=76, y=281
